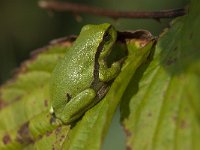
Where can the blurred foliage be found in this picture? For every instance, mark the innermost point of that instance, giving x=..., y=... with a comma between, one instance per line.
x=25, y=27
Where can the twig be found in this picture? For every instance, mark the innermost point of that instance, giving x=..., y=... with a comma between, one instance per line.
x=80, y=8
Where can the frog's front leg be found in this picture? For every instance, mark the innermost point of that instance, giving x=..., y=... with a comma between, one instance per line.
x=74, y=108
x=107, y=74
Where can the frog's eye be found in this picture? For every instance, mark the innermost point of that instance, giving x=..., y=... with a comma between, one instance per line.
x=107, y=37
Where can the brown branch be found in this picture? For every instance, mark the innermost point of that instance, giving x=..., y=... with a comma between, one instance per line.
x=80, y=8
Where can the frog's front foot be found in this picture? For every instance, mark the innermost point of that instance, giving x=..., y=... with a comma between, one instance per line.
x=107, y=74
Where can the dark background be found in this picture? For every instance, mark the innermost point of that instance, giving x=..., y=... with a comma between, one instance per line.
x=25, y=27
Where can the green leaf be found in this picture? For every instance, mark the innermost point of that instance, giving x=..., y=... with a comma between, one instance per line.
x=24, y=100
x=164, y=108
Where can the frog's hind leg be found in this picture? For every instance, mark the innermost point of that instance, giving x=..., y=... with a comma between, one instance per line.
x=76, y=106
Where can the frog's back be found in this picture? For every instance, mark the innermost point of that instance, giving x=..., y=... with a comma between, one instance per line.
x=74, y=72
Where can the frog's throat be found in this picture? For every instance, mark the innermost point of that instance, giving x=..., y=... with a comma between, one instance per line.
x=96, y=79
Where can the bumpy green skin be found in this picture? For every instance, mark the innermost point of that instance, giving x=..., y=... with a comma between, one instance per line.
x=80, y=78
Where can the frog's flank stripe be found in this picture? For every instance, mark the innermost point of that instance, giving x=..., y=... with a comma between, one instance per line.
x=96, y=62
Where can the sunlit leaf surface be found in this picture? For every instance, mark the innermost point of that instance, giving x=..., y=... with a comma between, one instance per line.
x=25, y=119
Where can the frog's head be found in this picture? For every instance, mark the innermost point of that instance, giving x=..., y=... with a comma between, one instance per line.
x=102, y=36
x=108, y=40
x=104, y=33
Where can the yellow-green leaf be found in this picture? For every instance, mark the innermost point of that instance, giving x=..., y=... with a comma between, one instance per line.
x=26, y=122
x=164, y=110
x=24, y=100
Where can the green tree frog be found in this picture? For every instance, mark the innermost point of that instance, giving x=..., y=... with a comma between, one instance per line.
x=82, y=77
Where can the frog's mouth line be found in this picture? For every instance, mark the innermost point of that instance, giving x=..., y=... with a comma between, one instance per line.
x=96, y=61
